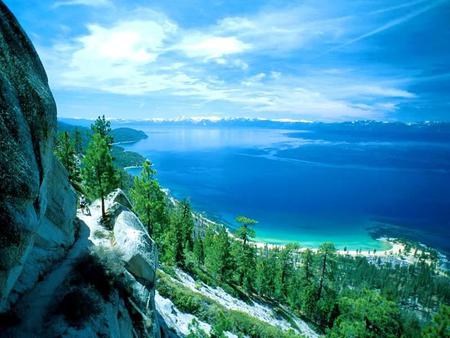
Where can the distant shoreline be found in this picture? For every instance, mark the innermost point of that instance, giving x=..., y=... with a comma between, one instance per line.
x=396, y=252
x=395, y=246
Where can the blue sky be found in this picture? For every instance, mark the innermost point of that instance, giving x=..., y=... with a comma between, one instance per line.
x=303, y=60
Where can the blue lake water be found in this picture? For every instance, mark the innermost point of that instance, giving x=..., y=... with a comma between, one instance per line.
x=308, y=186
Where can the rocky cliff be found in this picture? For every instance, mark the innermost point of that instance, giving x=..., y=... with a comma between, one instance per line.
x=61, y=274
x=37, y=205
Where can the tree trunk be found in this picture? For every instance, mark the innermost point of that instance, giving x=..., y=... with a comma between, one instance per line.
x=324, y=265
x=103, y=207
x=245, y=235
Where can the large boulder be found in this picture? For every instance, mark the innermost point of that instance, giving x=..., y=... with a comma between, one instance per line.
x=37, y=206
x=138, y=249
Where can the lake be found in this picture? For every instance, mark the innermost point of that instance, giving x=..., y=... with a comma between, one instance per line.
x=309, y=185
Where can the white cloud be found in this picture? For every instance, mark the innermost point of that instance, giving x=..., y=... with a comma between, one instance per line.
x=148, y=53
x=210, y=47
x=282, y=29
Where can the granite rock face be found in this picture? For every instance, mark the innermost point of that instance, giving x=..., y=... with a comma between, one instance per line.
x=37, y=204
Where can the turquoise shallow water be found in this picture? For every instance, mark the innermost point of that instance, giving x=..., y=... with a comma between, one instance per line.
x=307, y=188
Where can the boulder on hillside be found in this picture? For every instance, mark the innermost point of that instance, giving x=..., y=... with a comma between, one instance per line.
x=138, y=249
x=118, y=196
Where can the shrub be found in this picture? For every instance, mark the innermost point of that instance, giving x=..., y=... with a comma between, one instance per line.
x=103, y=269
x=215, y=314
x=79, y=305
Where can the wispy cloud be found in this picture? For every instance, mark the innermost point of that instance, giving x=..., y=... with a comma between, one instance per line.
x=143, y=53
x=391, y=23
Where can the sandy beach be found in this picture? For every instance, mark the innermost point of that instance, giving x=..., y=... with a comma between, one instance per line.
x=394, y=247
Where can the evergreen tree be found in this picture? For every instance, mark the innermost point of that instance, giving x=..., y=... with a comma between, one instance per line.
x=217, y=253
x=149, y=200
x=284, y=269
x=98, y=172
x=307, y=267
x=366, y=314
x=326, y=294
x=102, y=127
x=65, y=152
x=170, y=246
x=440, y=325
x=245, y=259
x=182, y=225
x=262, y=273
x=327, y=265
x=198, y=251
x=78, y=142
x=244, y=232
x=186, y=224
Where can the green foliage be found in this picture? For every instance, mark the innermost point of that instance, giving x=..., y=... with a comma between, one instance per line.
x=124, y=158
x=149, y=201
x=78, y=141
x=440, y=325
x=245, y=258
x=195, y=331
x=244, y=232
x=366, y=314
x=66, y=153
x=98, y=172
x=198, y=250
x=102, y=127
x=177, y=240
x=128, y=135
x=217, y=253
x=216, y=315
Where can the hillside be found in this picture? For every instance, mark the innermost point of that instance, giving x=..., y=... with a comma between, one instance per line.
x=128, y=135
x=122, y=158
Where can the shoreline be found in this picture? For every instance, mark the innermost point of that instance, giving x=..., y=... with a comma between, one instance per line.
x=396, y=248
x=398, y=251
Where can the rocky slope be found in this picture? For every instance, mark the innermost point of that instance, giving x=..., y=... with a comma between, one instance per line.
x=37, y=204
x=56, y=279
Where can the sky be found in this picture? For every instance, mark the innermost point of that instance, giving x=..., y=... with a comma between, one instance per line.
x=287, y=60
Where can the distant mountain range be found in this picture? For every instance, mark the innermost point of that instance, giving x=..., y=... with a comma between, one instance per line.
x=357, y=131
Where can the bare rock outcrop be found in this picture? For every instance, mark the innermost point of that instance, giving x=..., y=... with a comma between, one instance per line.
x=37, y=204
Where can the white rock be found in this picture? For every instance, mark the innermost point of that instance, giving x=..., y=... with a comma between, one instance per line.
x=138, y=249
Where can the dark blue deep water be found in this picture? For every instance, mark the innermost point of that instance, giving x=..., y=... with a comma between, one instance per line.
x=344, y=183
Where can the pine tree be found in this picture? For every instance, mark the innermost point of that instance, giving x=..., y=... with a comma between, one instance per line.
x=199, y=251
x=186, y=224
x=327, y=263
x=102, y=127
x=65, y=152
x=149, y=200
x=98, y=172
x=217, y=253
x=440, y=325
x=284, y=269
x=78, y=142
x=307, y=267
x=182, y=225
x=169, y=245
x=326, y=295
x=244, y=232
x=245, y=260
